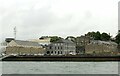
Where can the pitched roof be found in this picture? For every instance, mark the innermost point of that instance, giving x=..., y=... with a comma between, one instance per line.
x=105, y=42
x=26, y=43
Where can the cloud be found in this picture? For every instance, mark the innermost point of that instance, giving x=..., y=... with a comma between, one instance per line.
x=35, y=18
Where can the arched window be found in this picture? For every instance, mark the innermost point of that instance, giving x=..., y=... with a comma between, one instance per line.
x=61, y=52
x=48, y=52
x=51, y=52
x=55, y=47
x=50, y=47
x=55, y=52
x=61, y=47
x=58, y=52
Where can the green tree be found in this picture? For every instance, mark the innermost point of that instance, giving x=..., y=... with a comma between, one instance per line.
x=71, y=38
x=54, y=38
x=117, y=39
x=90, y=34
x=105, y=37
x=97, y=36
x=94, y=35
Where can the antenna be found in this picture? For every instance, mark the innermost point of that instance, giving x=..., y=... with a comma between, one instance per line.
x=15, y=32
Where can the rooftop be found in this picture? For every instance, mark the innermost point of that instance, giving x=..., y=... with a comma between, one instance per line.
x=64, y=41
x=26, y=43
x=104, y=42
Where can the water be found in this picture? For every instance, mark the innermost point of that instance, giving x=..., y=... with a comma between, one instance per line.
x=60, y=67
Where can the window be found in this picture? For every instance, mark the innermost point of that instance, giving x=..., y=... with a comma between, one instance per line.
x=58, y=52
x=55, y=47
x=48, y=52
x=58, y=47
x=50, y=47
x=61, y=47
x=55, y=52
x=61, y=52
x=51, y=52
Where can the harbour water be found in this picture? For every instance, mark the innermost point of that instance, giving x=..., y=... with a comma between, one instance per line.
x=60, y=67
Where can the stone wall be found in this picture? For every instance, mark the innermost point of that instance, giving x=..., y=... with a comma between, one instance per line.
x=100, y=49
x=24, y=50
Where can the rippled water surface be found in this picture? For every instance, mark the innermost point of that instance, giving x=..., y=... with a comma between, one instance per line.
x=60, y=67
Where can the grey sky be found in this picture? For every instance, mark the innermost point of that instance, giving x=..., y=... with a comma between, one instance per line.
x=35, y=18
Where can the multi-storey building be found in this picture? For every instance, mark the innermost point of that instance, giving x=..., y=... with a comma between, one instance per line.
x=61, y=47
x=81, y=42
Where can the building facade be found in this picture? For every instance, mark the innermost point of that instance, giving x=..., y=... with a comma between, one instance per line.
x=100, y=47
x=19, y=47
x=81, y=42
x=119, y=48
x=61, y=47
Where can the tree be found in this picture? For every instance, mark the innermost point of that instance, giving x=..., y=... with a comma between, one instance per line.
x=117, y=39
x=90, y=34
x=71, y=38
x=105, y=37
x=54, y=38
x=97, y=36
x=94, y=35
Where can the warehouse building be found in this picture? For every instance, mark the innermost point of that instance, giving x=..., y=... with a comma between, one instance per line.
x=20, y=47
x=100, y=47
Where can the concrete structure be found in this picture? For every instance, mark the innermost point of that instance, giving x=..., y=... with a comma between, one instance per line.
x=61, y=47
x=24, y=48
x=81, y=42
x=100, y=47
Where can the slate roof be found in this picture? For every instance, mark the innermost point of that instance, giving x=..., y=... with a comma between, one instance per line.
x=26, y=43
x=104, y=42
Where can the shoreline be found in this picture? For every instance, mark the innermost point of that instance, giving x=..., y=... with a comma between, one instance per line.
x=62, y=58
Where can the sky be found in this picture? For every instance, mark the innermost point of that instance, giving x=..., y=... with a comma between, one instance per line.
x=36, y=18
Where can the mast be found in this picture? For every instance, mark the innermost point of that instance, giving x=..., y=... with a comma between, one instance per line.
x=15, y=32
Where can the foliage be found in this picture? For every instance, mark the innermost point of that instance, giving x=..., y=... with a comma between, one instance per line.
x=54, y=38
x=71, y=38
x=117, y=39
x=91, y=34
x=105, y=37
x=98, y=36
